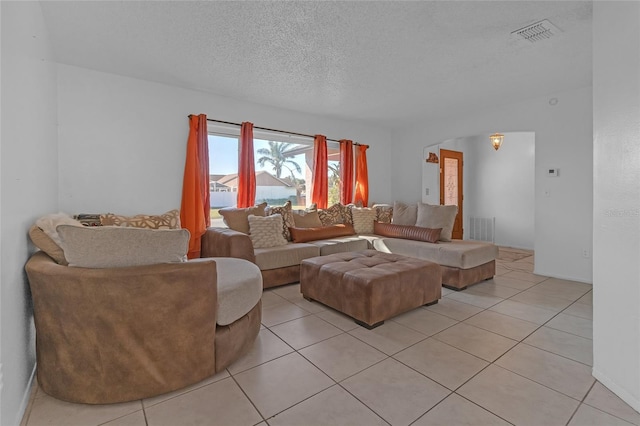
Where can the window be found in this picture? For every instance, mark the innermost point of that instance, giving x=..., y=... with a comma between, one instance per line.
x=283, y=169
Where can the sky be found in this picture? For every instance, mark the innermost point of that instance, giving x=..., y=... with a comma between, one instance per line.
x=223, y=157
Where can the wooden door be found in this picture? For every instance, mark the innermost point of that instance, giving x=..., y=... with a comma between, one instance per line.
x=451, y=186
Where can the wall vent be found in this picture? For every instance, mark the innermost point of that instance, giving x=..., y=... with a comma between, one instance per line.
x=482, y=228
x=537, y=32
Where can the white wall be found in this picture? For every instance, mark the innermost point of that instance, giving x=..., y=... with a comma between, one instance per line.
x=122, y=140
x=29, y=170
x=616, y=206
x=564, y=139
x=496, y=184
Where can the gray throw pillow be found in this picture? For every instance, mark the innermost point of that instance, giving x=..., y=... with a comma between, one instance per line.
x=404, y=214
x=436, y=216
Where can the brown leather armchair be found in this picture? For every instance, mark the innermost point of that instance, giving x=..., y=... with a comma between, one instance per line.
x=120, y=334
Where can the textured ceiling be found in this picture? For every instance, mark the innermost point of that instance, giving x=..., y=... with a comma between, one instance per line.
x=389, y=63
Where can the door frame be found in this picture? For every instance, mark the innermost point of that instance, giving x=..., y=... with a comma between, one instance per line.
x=458, y=155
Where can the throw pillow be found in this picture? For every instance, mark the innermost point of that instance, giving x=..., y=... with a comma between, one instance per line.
x=363, y=219
x=333, y=215
x=346, y=213
x=168, y=220
x=404, y=214
x=116, y=247
x=435, y=216
x=407, y=232
x=384, y=212
x=50, y=222
x=266, y=231
x=302, y=235
x=287, y=218
x=43, y=242
x=309, y=219
x=236, y=218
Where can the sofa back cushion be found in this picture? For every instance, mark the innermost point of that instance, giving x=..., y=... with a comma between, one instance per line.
x=114, y=246
x=404, y=214
x=436, y=216
x=306, y=219
x=266, y=231
x=236, y=218
x=407, y=232
x=302, y=235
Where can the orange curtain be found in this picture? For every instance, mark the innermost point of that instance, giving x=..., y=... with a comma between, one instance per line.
x=346, y=171
x=246, y=167
x=195, y=207
x=362, y=177
x=320, y=179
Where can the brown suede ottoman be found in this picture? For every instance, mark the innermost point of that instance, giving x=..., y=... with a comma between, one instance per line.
x=370, y=286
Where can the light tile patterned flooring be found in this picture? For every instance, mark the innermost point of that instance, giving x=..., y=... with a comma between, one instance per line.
x=513, y=350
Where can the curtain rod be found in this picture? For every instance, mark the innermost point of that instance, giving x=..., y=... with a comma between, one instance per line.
x=276, y=130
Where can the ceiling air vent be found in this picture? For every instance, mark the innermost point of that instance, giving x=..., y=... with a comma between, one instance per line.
x=537, y=32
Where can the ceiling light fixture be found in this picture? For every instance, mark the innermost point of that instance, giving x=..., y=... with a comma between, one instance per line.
x=496, y=140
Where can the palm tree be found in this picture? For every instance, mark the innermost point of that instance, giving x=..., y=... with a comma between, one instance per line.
x=277, y=156
x=334, y=183
x=334, y=168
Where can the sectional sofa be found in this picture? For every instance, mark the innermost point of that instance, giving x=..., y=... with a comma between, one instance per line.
x=462, y=262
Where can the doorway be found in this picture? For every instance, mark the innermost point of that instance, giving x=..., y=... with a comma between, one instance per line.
x=451, y=186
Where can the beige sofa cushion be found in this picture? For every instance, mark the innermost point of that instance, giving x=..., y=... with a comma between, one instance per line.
x=341, y=245
x=404, y=214
x=114, y=246
x=290, y=255
x=363, y=219
x=239, y=288
x=287, y=217
x=236, y=218
x=266, y=231
x=456, y=254
x=309, y=219
x=436, y=216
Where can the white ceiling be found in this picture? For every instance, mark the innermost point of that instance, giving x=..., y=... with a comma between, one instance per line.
x=389, y=63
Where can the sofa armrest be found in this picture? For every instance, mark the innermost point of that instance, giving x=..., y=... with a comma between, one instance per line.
x=119, y=334
x=225, y=242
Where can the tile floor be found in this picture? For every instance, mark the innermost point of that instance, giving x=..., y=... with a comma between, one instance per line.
x=513, y=350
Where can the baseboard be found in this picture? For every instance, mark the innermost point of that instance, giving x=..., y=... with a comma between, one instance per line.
x=621, y=393
x=562, y=277
x=514, y=247
x=26, y=397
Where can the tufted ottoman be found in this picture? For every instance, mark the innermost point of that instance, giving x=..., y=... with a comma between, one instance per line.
x=370, y=286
